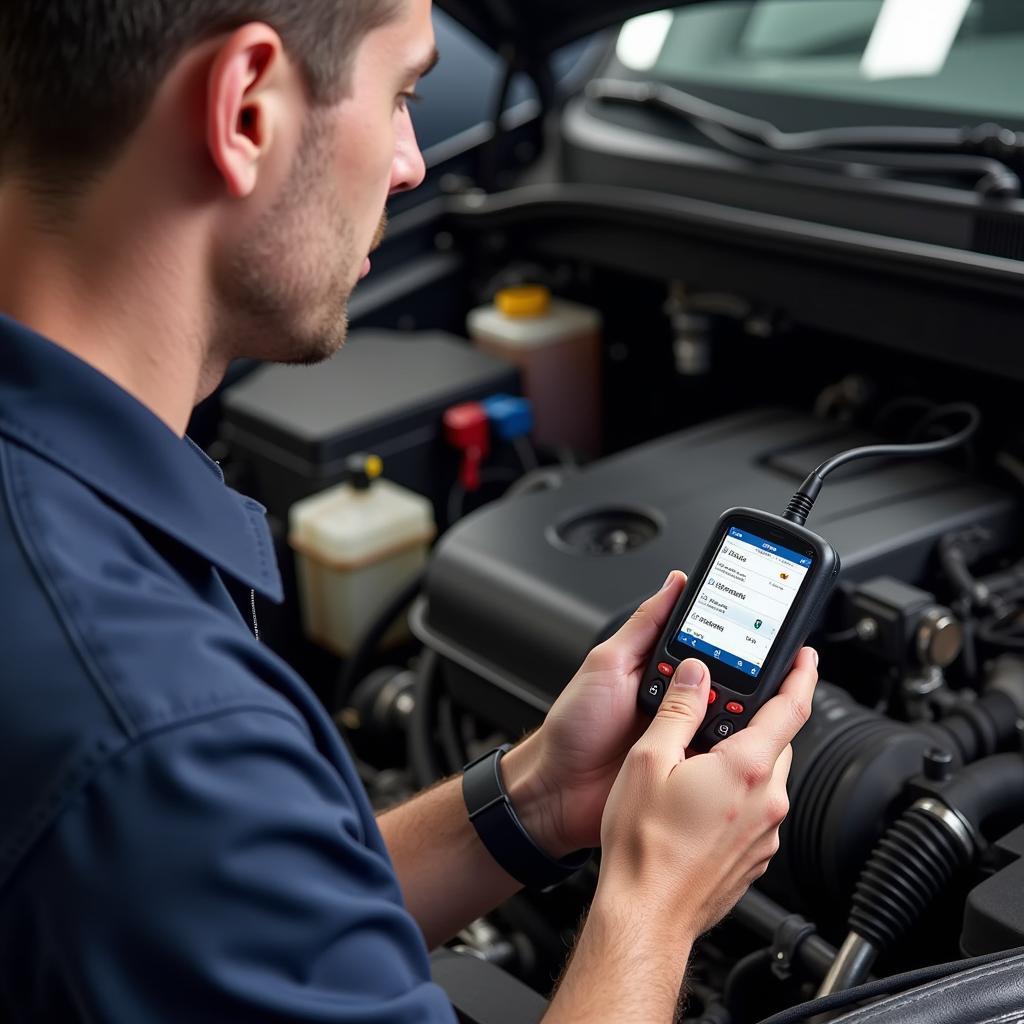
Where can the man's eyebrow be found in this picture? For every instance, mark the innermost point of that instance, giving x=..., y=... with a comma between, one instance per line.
x=424, y=67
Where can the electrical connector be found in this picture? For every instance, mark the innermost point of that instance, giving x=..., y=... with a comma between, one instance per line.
x=467, y=428
x=511, y=417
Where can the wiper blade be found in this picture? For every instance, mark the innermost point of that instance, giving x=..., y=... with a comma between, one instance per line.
x=991, y=155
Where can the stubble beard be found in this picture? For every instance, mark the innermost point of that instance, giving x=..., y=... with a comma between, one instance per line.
x=283, y=294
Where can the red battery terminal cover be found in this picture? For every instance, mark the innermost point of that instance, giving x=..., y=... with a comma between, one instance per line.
x=467, y=428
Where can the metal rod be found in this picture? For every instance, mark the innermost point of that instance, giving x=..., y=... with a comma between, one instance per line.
x=851, y=966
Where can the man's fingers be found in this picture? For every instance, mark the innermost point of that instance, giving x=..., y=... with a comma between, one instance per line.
x=781, y=718
x=682, y=711
x=640, y=632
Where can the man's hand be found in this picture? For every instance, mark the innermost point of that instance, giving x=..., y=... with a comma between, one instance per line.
x=682, y=839
x=559, y=779
x=698, y=830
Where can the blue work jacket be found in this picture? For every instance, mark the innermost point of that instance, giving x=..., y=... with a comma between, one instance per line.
x=183, y=837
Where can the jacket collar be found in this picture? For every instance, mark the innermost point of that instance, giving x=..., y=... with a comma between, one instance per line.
x=78, y=419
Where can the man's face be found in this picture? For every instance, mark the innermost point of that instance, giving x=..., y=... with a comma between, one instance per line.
x=283, y=292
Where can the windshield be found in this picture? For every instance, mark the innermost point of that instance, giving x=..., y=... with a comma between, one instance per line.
x=960, y=57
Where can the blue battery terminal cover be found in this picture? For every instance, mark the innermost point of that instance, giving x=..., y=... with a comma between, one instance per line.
x=510, y=416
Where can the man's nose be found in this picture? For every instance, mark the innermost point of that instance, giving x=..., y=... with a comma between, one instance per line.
x=408, y=169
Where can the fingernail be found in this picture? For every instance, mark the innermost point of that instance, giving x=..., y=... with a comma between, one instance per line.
x=690, y=674
x=815, y=653
x=668, y=581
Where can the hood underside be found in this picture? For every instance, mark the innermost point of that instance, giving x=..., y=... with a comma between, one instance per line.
x=535, y=28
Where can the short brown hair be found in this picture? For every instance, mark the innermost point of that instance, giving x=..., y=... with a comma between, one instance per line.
x=77, y=77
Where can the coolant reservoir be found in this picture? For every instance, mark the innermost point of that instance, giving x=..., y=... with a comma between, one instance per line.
x=357, y=545
x=557, y=346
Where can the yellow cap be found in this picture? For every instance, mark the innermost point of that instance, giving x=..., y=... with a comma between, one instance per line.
x=374, y=466
x=527, y=300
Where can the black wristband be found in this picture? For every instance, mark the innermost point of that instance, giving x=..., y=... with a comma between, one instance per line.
x=501, y=831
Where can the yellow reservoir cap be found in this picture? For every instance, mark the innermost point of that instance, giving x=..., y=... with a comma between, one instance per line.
x=526, y=300
x=374, y=466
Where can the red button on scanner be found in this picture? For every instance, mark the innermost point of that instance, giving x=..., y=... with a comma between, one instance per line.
x=666, y=669
x=712, y=696
x=734, y=708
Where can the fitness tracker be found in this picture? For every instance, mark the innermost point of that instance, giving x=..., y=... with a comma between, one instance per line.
x=501, y=831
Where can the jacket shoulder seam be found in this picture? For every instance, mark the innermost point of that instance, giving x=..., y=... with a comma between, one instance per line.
x=16, y=487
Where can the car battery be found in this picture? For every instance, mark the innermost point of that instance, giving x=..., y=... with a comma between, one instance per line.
x=290, y=429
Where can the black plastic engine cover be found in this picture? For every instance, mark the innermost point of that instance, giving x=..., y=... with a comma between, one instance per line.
x=994, y=914
x=518, y=592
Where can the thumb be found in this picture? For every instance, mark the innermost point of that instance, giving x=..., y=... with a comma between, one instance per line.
x=682, y=709
x=640, y=632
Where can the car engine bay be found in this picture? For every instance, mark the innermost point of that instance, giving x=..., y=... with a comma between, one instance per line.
x=904, y=844
x=738, y=350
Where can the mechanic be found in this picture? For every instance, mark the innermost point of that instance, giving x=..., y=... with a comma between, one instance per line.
x=183, y=835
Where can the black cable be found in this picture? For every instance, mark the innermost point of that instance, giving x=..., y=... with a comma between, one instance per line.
x=426, y=766
x=455, y=755
x=998, y=593
x=457, y=495
x=714, y=1013
x=802, y=502
x=764, y=917
x=969, y=652
x=741, y=993
x=925, y=428
x=990, y=632
x=1006, y=586
x=527, y=454
x=355, y=667
x=956, y=553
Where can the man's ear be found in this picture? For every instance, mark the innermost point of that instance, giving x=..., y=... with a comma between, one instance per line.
x=243, y=104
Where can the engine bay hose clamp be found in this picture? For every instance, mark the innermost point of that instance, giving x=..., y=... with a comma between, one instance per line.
x=952, y=820
x=501, y=831
x=786, y=942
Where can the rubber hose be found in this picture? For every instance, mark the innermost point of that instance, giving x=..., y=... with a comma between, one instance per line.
x=763, y=916
x=978, y=729
x=448, y=734
x=911, y=864
x=714, y=1014
x=989, y=787
x=370, y=641
x=917, y=857
x=426, y=767
x=742, y=985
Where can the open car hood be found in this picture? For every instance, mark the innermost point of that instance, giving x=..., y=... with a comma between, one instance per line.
x=535, y=28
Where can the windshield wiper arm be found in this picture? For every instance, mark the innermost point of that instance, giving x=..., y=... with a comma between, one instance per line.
x=990, y=154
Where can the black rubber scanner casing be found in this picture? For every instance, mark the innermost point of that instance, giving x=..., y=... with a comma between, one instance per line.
x=809, y=604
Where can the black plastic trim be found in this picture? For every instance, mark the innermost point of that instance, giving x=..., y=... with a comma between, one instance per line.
x=932, y=300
